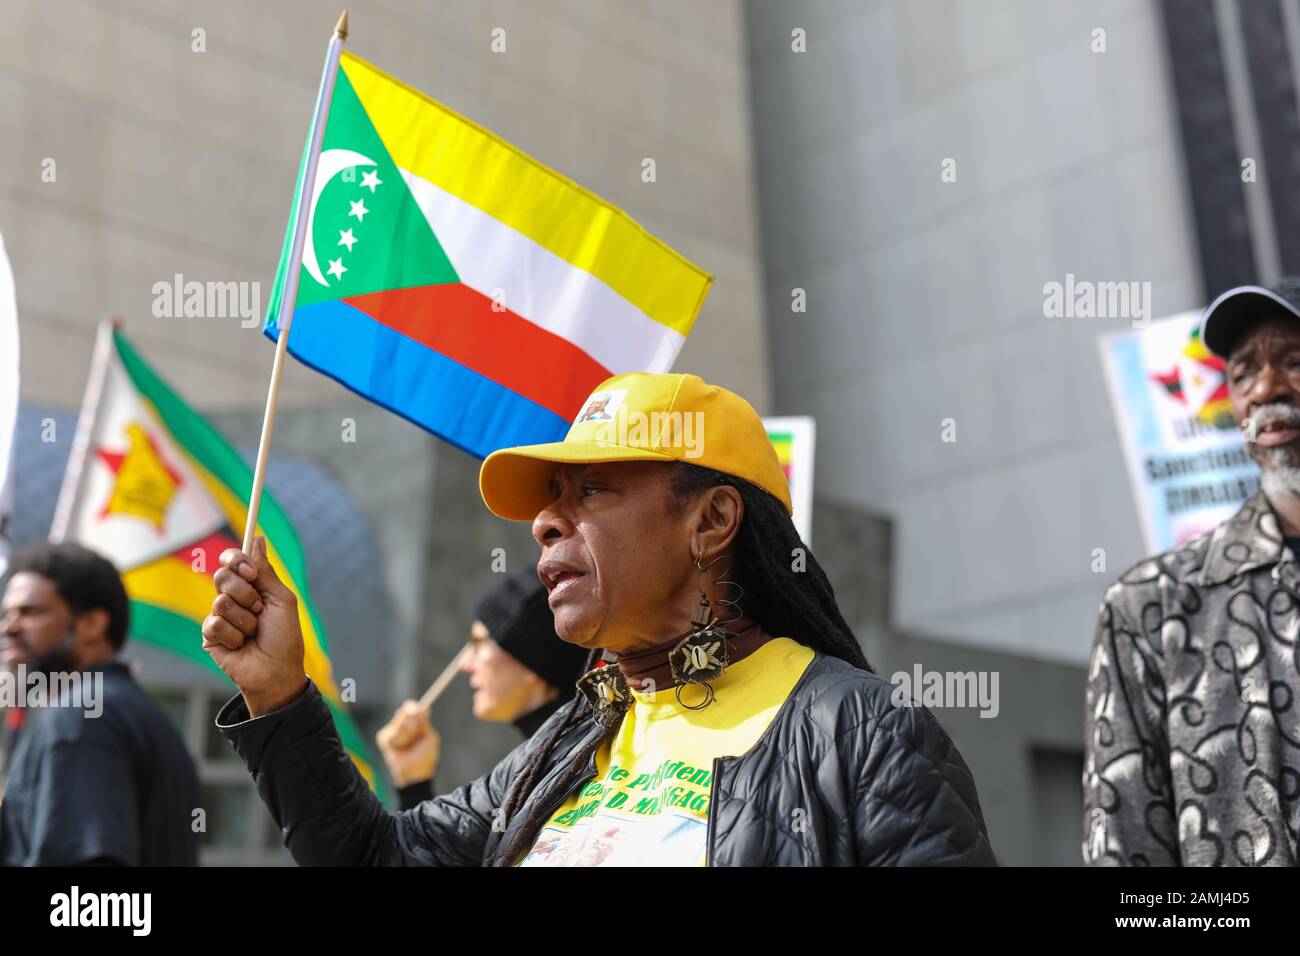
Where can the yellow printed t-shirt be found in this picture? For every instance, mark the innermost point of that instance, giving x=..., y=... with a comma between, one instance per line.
x=649, y=802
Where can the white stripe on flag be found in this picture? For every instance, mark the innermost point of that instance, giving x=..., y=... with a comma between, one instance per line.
x=535, y=283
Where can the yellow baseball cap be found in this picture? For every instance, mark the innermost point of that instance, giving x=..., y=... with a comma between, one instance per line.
x=639, y=416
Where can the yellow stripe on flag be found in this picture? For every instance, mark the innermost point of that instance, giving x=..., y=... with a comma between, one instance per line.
x=172, y=585
x=456, y=154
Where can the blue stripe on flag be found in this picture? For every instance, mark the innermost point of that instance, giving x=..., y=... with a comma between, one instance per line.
x=456, y=403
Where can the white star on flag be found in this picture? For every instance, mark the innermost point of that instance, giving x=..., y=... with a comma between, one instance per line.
x=347, y=239
x=358, y=209
x=337, y=268
x=371, y=180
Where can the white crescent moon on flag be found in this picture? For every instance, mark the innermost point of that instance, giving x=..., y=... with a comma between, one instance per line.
x=331, y=163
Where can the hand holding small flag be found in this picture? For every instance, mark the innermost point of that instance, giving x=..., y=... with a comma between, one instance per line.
x=253, y=633
x=410, y=745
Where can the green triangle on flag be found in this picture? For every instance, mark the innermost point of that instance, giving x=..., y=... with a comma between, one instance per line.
x=367, y=234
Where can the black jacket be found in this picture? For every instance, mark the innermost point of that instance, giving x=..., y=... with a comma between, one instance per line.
x=841, y=777
x=115, y=788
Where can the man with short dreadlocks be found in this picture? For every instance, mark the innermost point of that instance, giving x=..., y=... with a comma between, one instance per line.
x=727, y=717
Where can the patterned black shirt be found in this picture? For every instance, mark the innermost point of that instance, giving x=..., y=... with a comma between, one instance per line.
x=1193, y=728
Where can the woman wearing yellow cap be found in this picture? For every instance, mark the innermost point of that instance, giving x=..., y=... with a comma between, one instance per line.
x=728, y=715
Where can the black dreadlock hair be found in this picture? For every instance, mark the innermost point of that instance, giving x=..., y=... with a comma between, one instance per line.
x=799, y=604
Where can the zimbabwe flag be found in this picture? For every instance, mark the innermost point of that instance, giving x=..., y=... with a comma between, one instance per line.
x=152, y=486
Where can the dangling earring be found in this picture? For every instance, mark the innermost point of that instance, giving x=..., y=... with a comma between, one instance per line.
x=701, y=656
x=606, y=690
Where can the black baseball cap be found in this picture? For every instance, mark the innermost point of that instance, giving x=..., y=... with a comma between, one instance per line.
x=1230, y=314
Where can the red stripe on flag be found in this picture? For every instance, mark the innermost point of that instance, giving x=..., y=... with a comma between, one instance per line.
x=211, y=546
x=460, y=323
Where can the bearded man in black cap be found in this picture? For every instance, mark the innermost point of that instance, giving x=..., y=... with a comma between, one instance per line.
x=1193, y=721
x=520, y=671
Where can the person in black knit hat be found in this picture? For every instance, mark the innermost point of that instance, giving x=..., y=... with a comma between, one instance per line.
x=520, y=670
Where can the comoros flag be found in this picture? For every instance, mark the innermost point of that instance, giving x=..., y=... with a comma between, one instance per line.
x=154, y=487
x=454, y=280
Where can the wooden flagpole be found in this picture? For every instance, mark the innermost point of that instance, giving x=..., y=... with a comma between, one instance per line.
x=71, y=489
x=444, y=680
x=290, y=292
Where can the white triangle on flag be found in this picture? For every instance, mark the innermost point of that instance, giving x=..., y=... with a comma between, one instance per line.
x=1199, y=382
x=137, y=497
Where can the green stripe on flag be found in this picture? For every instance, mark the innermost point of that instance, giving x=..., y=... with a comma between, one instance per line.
x=368, y=233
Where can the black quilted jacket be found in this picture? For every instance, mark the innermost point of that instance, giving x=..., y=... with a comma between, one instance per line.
x=873, y=784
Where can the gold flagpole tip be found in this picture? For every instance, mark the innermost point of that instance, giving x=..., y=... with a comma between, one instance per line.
x=341, y=31
x=115, y=321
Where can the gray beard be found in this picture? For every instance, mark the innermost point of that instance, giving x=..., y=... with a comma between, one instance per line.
x=1280, y=479
x=1279, y=470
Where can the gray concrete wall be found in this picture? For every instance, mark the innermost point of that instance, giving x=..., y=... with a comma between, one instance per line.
x=925, y=298
x=925, y=302
x=1031, y=820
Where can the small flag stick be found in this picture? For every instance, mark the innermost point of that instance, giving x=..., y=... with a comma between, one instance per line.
x=86, y=421
x=290, y=292
x=444, y=680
